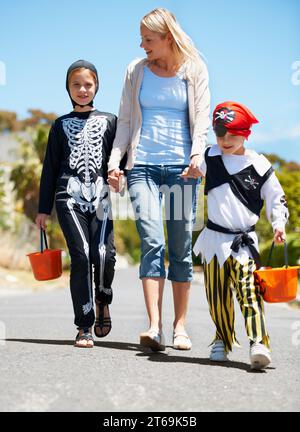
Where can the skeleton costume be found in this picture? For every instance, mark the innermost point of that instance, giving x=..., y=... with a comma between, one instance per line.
x=74, y=173
x=236, y=187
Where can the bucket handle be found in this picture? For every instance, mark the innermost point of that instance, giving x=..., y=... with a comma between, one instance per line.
x=43, y=239
x=285, y=254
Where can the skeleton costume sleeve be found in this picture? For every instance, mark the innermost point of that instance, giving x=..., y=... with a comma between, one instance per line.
x=51, y=168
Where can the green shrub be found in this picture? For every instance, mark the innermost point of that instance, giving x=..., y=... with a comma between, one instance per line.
x=3, y=212
x=277, y=259
x=127, y=240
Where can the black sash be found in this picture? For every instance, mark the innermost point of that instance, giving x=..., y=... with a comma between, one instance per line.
x=241, y=239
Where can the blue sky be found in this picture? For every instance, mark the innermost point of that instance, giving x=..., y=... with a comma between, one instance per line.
x=250, y=48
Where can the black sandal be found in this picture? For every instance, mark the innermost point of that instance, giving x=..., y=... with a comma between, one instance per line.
x=87, y=336
x=102, y=322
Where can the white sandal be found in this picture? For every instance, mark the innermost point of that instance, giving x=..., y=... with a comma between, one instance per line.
x=181, y=341
x=154, y=340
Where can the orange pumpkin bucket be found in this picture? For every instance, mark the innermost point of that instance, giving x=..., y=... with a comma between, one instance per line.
x=46, y=264
x=278, y=284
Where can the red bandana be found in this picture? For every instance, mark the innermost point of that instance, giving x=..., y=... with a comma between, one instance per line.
x=234, y=118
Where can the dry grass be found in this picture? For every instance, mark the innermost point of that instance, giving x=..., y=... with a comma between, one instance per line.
x=24, y=280
x=14, y=248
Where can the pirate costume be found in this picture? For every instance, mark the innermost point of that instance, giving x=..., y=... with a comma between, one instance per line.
x=236, y=187
x=74, y=174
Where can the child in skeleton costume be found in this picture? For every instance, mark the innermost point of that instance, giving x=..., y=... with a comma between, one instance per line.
x=238, y=181
x=74, y=173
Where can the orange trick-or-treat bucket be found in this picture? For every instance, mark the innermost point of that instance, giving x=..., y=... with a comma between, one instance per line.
x=278, y=284
x=46, y=264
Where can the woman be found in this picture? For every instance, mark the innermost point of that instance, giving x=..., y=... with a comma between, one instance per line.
x=162, y=125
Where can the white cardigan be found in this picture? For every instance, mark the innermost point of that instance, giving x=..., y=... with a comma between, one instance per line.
x=130, y=116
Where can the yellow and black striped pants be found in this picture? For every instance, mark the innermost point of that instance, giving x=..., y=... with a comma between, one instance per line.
x=219, y=284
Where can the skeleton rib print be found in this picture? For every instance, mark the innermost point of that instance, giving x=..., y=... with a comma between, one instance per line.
x=85, y=141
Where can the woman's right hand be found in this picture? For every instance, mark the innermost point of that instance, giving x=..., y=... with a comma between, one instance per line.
x=40, y=220
x=193, y=170
x=115, y=178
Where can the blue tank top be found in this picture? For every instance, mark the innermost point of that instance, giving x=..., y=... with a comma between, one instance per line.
x=165, y=135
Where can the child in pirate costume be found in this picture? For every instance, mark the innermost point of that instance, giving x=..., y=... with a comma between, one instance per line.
x=238, y=181
x=74, y=174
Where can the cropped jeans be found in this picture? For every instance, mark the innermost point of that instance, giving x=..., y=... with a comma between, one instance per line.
x=149, y=187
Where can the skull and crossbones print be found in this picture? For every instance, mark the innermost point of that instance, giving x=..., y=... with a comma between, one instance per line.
x=252, y=183
x=224, y=115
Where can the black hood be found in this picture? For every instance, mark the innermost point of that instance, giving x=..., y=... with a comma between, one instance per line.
x=86, y=65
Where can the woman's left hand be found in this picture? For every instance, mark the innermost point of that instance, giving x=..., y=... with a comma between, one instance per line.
x=193, y=171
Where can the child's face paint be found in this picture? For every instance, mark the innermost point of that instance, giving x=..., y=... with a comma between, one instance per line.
x=231, y=144
x=82, y=86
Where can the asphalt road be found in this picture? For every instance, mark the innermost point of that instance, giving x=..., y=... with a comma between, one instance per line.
x=40, y=370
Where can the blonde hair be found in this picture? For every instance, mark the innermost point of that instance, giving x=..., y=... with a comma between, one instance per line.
x=162, y=21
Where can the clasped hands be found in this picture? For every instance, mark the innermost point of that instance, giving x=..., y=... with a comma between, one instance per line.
x=115, y=179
